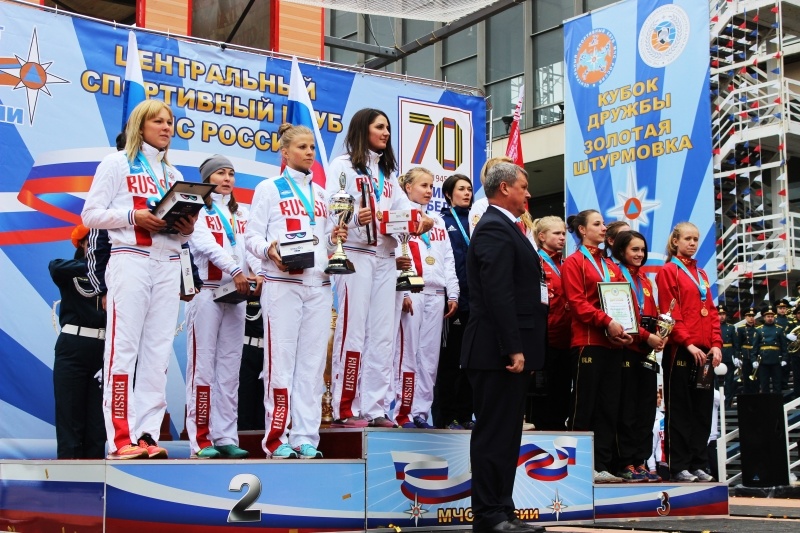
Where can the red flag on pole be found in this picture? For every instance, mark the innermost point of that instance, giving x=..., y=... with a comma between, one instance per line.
x=514, y=148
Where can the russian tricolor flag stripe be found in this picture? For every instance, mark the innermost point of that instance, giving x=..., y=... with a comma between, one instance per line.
x=301, y=113
x=134, y=82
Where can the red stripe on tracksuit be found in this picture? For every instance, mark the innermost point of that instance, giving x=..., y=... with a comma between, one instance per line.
x=202, y=403
x=352, y=362
x=415, y=256
x=404, y=408
x=280, y=412
x=143, y=237
x=214, y=273
x=119, y=410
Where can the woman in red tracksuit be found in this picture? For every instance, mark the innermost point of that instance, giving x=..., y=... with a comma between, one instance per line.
x=696, y=335
x=638, y=390
x=550, y=412
x=597, y=340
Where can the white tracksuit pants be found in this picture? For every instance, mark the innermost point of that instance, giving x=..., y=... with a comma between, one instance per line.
x=361, y=366
x=416, y=358
x=214, y=354
x=142, y=307
x=296, y=326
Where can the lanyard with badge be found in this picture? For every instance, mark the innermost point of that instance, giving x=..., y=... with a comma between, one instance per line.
x=305, y=200
x=427, y=240
x=153, y=200
x=549, y=260
x=463, y=233
x=699, y=283
x=604, y=275
x=638, y=286
x=228, y=225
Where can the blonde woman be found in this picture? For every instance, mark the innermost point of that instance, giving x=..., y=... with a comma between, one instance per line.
x=143, y=279
x=416, y=356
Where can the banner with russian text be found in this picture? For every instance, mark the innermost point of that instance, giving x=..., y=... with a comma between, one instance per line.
x=61, y=81
x=638, y=125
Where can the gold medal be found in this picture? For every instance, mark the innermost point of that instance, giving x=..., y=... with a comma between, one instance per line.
x=704, y=311
x=430, y=260
x=379, y=215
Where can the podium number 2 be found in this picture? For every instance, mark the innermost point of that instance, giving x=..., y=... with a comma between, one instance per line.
x=240, y=511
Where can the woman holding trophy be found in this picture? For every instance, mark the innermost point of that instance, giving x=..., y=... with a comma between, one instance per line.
x=639, y=383
x=416, y=355
x=290, y=232
x=597, y=340
x=361, y=365
x=694, y=339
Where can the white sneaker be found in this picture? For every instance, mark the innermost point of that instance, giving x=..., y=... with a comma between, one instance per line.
x=684, y=476
x=702, y=475
x=606, y=477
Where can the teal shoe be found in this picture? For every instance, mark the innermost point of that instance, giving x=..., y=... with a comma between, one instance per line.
x=231, y=451
x=207, y=453
x=307, y=451
x=284, y=451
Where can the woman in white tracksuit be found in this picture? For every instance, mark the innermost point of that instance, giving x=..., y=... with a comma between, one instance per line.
x=143, y=280
x=297, y=303
x=416, y=356
x=215, y=329
x=361, y=365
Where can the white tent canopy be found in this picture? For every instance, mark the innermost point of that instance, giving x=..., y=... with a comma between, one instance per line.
x=435, y=10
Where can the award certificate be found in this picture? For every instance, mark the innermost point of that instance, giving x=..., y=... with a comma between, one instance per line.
x=616, y=300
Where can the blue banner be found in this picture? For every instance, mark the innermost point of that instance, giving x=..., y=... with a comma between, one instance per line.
x=638, y=125
x=61, y=103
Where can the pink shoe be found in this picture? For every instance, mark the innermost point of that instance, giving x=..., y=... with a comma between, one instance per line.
x=351, y=422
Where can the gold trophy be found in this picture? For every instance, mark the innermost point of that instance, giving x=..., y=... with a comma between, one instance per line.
x=664, y=325
x=343, y=205
x=408, y=280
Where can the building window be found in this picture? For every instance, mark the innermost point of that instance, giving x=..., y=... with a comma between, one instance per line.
x=549, y=14
x=380, y=32
x=421, y=63
x=460, y=57
x=505, y=64
x=548, y=77
x=596, y=4
x=343, y=25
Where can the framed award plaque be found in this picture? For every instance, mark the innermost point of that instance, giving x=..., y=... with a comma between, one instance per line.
x=616, y=300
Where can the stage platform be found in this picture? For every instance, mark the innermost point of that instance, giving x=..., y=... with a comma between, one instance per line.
x=370, y=479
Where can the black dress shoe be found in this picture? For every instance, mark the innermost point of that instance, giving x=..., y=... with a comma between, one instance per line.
x=508, y=527
x=531, y=527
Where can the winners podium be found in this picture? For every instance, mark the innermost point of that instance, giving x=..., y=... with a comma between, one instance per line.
x=370, y=479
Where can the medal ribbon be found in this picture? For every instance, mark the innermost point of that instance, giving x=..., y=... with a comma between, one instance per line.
x=228, y=225
x=146, y=164
x=637, y=286
x=700, y=286
x=463, y=233
x=381, y=183
x=604, y=275
x=549, y=260
x=426, y=239
x=303, y=199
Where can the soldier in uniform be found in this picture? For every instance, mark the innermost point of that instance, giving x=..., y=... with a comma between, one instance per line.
x=746, y=338
x=788, y=323
x=729, y=353
x=795, y=356
x=770, y=344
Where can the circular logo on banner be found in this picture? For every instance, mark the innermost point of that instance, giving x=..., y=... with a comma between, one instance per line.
x=595, y=58
x=664, y=35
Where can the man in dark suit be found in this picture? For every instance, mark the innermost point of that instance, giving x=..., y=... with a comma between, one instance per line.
x=504, y=340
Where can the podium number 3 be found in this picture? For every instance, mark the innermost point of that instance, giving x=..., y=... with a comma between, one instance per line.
x=240, y=511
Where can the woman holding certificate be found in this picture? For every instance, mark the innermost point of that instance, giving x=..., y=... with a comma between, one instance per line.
x=143, y=279
x=289, y=226
x=361, y=365
x=550, y=412
x=638, y=390
x=597, y=340
x=416, y=355
x=695, y=337
x=215, y=329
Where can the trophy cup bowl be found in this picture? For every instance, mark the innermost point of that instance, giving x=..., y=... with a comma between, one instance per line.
x=342, y=205
x=408, y=280
x=664, y=325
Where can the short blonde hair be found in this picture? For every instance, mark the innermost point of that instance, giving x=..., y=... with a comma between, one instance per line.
x=133, y=130
x=672, y=248
x=411, y=176
x=543, y=224
x=492, y=162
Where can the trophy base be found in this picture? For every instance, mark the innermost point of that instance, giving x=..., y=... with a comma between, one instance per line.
x=653, y=366
x=340, y=266
x=410, y=283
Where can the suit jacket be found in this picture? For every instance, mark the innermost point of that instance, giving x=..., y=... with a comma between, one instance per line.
x=504, y=274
